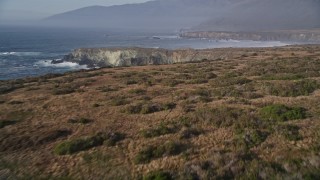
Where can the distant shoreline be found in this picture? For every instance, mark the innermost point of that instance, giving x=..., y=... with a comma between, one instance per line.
x=303, y=36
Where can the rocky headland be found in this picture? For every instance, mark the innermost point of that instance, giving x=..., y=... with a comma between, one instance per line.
x=115, y=57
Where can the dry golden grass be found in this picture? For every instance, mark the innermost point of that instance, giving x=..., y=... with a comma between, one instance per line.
x=199, y=120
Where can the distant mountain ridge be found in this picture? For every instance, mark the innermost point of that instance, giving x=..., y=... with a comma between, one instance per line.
x=267, y=15
x=153, y=15
x=218, y=15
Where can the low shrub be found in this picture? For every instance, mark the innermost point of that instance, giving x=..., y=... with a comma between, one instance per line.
x=247, y=91
x=185, y=121
x=232, y=165
x=316, y=145
x=17, y=116
x=219, y=117
x=252, y=138
x=226, y=81
x=169, y=106
x=231, y=74
x=62, y=90
x=144, y=108
x=119, y=101
x=151, y=108
x=188, y=107
x=15, y=102
x=278, y=112
x=107, y=88
x=77, y=145
x=133, y=109
x=130, y=78
x=158, y=175
x=144, y=98
x=250, y=121
x=204, y=94
x=111, y=139
x=96, y=105
x=131, y=82
x=285, y=76
x=290, y=132
x=80, y=121
x=311, y=174
x=305, y=67
x=5, y=123
x=33, y=88
x=137, y=91
x=9, y=87
x=158, y=131
x=126, y=74
x=154, y=152
x=190, y=133
x=257, y=169
x=148, y=82
x=230, y=91
x=198, y=81
x=183, y=76
x=74, y=146
x=96, y=157
x=210, y=75
x=172, y=82
x=291, y=89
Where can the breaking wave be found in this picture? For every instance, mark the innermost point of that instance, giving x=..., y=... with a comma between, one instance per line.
x=19, y=53
x=68, y=65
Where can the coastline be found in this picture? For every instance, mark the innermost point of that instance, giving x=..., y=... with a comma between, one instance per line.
x=136, y=56
x=311, y=36
x=21, y=59
x=91, y=58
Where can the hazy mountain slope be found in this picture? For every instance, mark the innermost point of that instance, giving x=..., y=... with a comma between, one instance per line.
x=160, y=14
x=254, y=15
x=219, y=15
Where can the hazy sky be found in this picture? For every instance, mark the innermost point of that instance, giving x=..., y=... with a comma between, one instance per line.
x=15, y=10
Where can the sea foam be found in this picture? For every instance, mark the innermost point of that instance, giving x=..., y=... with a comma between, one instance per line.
x=19, y=53
x=68, y=65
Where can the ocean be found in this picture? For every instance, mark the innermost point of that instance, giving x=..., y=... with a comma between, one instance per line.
x=27, y=52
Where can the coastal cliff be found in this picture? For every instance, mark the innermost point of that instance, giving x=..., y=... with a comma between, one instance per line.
x=295, y=36
x=113, y=57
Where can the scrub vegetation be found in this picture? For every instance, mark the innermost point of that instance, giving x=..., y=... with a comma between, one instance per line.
x=253, y=116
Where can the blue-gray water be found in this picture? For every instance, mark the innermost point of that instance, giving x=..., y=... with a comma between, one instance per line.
x=27, y=52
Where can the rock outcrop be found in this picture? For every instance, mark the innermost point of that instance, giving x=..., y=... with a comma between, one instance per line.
x=112, y=57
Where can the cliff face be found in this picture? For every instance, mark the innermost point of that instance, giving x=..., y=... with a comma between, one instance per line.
x=296, y=36
x=111, y=57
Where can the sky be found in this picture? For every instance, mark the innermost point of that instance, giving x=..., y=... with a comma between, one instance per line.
x=20, y=10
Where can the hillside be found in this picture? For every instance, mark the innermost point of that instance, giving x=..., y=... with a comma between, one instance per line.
x=217, y=15
x=154, y=15
x=266, y=15
x=253, y=115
